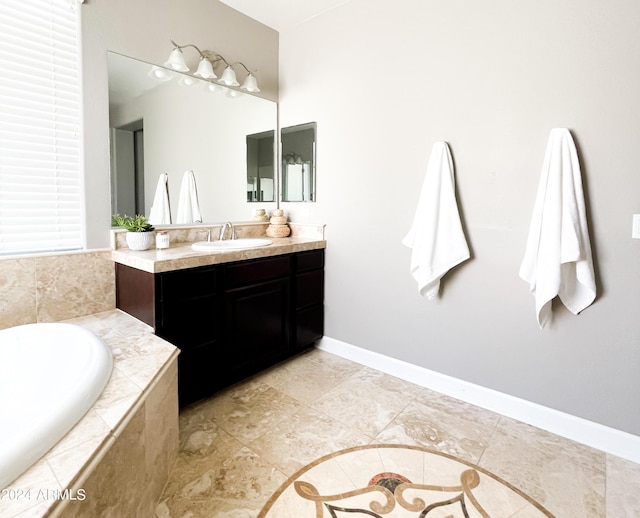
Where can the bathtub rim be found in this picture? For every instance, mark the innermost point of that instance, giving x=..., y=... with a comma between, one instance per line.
x=41, y=439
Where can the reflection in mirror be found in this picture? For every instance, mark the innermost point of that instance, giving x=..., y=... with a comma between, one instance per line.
x=260, y=170
x=168, y=122
x=299, y=162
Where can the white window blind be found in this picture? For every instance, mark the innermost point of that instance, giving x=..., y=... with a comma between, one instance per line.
x=40, y=122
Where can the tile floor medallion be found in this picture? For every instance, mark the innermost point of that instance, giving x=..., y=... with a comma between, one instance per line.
x=385, y=481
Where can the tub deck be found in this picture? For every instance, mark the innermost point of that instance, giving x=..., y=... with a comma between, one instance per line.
x=54, y=485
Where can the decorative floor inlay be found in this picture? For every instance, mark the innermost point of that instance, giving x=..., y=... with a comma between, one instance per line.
x=397, y=481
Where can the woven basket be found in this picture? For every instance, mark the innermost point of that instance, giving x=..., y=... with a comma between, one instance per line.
x=278, y=220
x=277, y=212
x=278, y=230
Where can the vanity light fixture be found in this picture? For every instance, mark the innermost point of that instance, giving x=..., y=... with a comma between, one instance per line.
x=176, y=60
x=229, y=77
x=250, y=83
x=205, y=67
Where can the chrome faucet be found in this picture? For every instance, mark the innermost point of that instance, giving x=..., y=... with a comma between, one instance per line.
x=224, y=228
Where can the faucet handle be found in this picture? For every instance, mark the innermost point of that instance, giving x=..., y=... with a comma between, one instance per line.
x=208, y=231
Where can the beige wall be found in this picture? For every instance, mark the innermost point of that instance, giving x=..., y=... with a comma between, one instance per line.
x=384, y=80
x=143, y=29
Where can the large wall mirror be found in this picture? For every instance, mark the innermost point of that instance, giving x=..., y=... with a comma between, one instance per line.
x=185, y=124
x=299, y=162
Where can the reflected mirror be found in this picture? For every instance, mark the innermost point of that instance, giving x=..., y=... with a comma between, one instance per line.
x=299, y=162
x=260, y=171
x=170, y=123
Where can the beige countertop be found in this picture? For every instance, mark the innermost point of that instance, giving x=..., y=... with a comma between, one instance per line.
x=181, y=256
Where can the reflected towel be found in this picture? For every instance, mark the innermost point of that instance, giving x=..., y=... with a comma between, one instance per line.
x=557, y=260
x=160, y=213
x=436, y=237
x=188, y=206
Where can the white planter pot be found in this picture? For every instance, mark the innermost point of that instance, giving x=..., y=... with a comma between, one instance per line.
x=140, y=240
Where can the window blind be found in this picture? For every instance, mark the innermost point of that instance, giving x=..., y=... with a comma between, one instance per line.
x=40, y=123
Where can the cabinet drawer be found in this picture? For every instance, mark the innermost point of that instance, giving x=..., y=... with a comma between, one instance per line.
x=187, y=284
x=312, y=260
x=250, y=272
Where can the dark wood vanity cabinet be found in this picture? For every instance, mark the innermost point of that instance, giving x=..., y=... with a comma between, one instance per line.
x=229, y=320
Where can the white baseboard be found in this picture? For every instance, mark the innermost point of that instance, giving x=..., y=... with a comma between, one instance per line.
x=609, y=440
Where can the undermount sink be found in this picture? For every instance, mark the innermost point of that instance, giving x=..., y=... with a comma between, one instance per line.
x=230, y=244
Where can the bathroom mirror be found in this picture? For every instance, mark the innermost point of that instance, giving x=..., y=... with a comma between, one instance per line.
x=299, y=162
x=184, y=124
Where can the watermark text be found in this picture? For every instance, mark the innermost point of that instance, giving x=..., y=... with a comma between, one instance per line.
x=42, y=494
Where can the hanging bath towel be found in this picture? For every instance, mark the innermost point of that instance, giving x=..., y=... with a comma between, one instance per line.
x=160, y=213
x=188, y=207
x=557, y=259
x=436, y=236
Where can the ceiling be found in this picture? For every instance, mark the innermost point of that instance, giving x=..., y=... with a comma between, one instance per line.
x=282, y=14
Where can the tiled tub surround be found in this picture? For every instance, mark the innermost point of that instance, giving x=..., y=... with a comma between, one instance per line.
x=117, y=458
x=180, y=254
x=54, y=287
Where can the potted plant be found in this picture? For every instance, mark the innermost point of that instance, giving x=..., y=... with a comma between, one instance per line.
x=118, y=221
x=140, y=234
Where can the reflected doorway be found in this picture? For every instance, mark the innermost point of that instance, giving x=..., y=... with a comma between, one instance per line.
x=127, y=169
x=299, y=162
x=260, y=169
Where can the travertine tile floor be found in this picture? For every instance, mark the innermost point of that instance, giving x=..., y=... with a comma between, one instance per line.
x=239, y=446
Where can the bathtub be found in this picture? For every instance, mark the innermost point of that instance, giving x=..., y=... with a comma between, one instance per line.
x=50, y=375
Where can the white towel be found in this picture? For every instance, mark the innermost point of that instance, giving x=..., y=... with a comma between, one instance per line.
x=557, y=260
x=188, y=207
x=160, y=213
x=436, y=237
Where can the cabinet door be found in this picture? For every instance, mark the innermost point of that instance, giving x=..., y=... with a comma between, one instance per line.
x=308, y=325
x=256, y=327
x=198, y=373
x=188, y=316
